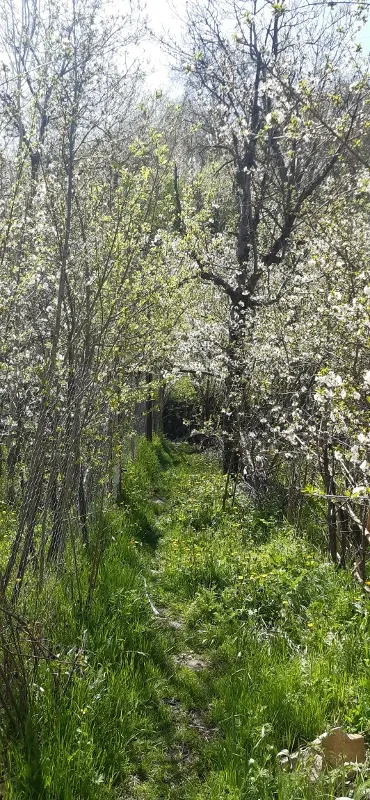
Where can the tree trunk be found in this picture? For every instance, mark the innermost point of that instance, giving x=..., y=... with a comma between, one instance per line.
x=149, y=406
x=234, y=390
x=82, y=507
x=331, y=511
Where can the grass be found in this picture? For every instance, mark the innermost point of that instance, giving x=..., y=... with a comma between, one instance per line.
x=285, y=641
x=286, y=635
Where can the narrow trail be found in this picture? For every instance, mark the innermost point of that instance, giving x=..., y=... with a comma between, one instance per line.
x=192, y=729
x=218, y=639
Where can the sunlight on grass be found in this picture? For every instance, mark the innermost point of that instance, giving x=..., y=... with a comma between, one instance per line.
x=284, y=641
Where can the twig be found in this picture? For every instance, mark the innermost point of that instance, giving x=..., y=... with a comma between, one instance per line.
x=152, y=606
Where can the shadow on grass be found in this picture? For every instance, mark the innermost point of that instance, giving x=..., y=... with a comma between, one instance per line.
x=147, y=533
x=169, y=454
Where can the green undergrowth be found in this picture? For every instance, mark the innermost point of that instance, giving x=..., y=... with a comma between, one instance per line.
x=96, y=724
x=285, y=634
x=282, y=641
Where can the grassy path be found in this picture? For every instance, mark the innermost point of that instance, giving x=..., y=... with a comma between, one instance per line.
x=214, y=640
x=270, y=645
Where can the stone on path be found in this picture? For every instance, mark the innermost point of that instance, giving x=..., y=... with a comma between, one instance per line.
x=191, y=661
x=339, y=747
x=332, y=749
x=175, y=624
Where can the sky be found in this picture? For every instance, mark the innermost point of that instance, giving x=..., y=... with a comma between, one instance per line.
x=164, y=18
x=363, y=38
